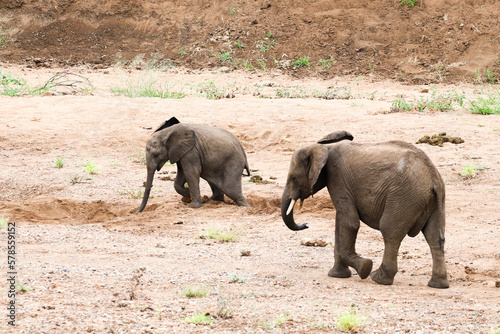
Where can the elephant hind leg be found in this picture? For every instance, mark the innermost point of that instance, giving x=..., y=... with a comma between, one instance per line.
x=434, y=235
x=217, y=194
x=232, y=188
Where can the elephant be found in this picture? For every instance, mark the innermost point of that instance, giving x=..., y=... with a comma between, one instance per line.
x=391, y=186
x=211, y=153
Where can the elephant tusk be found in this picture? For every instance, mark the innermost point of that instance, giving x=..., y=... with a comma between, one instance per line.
x=290, y=208
x=301, y=203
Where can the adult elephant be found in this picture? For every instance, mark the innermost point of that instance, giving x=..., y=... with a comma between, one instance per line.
x=211, y=153
x=392, y=187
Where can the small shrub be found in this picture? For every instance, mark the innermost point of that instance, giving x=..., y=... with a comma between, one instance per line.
x=232, y=10
x=221, y=235
x=235, y=278
x=91, y=168
x=326, y=63
x=194, y=293
x=239, y=45
x=409, y=3
x=350, y=321
x=470, y=171
x=132, y=193
x=301, y=62
x=486, y=105
x=4, y=38
x=59, y=162
x=400, y=104
x=199, y=319
x=223, y=311
x=245, y=252
x=147, y=88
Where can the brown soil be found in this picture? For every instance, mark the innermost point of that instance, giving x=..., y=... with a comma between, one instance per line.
x=91, y=264
x=434, y=41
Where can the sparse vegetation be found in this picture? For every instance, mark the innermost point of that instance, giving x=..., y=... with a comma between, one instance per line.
x=194, y=292
x=139, y=158
x=4, y=37
x=239, y=45
x=221, y=234
x=213, y=92
x=3, y=222
x=132, y=193
x=326, y=63
x=350, y=321
x=148, y=87
x=245, y=252
x=76, y=179
x=266, y=44
x=199, y=319
x=302, y=62
x=59, y=162
x=13, y=86
x=232, y=10
x=409, y=3
x=91, y=168
x=235, y=278
x=470, y=171
x=486, y=105
x=223, y=310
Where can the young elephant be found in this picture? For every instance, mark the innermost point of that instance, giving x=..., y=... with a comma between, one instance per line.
x=213, y=154
x=392, y=187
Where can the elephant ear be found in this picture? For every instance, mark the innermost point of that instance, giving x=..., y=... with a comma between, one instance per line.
x=179, y=142
x=316, y=160
x=167, y=123
x=335, y=137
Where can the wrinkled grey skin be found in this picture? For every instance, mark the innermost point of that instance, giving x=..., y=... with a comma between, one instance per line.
x=392, y=187
x=211, y=153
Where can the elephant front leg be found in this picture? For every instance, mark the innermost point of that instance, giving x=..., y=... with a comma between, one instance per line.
x=179, y=183
x=346, y=231
x=192, y=177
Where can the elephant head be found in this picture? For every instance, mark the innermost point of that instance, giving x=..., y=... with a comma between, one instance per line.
x=305, y=176
x=170, y=142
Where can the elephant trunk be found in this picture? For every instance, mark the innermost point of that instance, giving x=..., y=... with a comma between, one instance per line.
x=287, y=204
x=149, y=184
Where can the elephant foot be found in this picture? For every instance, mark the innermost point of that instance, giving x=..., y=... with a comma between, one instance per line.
x=439, y=283
x=365, y=268
x=242, y=203
x=195, y=205
x=381, y=277
x=340, y=272
x=218, y=198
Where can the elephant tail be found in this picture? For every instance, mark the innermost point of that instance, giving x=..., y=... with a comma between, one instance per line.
x=247, y=169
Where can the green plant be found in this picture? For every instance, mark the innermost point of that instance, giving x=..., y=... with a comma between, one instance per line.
x=221, y=235
x=409, y=3
x=326, y=63
x=301, y=62
x=495, y=331
x=350, y=321
x=59, y=162
x=225, y=57
x=194, y=293
x=3, y=222
x=262, y=64
x=199, y=319
x=490, y=75
x=91, y=168
x=239, y=45
x=132, y=193
x=265, y=45
x=147, y=88
x=22, y=288
x=232, y=10
x=486, y=105
x=212, y=92
x=470, y=171
x=4, y=38
x=182, y=53
x=400, y=104
x=247, y=64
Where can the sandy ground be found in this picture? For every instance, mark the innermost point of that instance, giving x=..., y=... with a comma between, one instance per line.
x=89, y=263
